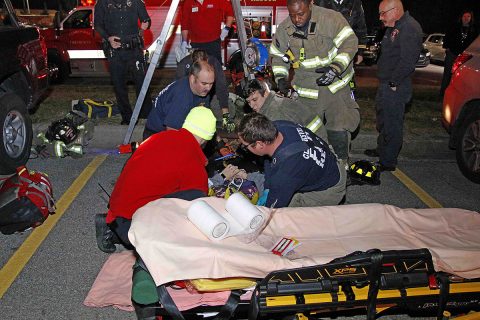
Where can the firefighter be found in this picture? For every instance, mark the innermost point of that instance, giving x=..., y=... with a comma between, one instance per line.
x=320, y=45
x=278, y=107
x=202, y=25
x=117, y=23
x=300, y=169
x=220, y=90
x=352, y=10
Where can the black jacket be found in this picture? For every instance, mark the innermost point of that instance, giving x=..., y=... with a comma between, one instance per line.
x=119, y=18
x=352, y=10
x=401, y=47
x=459, y=38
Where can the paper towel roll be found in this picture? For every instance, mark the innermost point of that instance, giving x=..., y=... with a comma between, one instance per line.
x=244, y=212
x=209, y=221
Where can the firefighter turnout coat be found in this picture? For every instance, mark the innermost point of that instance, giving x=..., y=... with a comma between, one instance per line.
x=277, y=107
x=328, y=39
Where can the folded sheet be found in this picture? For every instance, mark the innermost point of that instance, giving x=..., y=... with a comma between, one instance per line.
x=174, y=249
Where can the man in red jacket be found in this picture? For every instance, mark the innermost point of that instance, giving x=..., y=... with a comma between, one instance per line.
x=169, y=164
x=202, y=25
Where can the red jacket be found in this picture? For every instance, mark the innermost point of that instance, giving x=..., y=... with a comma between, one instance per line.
x=204, y=21
x=167, y=162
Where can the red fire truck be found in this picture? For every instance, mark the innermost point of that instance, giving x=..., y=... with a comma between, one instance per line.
x=74, y=48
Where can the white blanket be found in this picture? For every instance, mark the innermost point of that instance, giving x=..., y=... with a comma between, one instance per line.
x=174, y=249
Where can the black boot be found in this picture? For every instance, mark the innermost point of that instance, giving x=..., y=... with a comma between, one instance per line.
x=105, y=236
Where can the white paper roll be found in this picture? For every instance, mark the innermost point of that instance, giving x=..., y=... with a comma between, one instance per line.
x=209, y=221
x=244, y=212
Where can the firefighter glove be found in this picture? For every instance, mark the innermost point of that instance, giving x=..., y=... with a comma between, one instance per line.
x=328, y=75
x=224, y=33
x=228, y=123
x=283, y=86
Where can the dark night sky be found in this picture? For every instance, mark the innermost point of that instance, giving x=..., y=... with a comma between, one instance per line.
x=433, y=15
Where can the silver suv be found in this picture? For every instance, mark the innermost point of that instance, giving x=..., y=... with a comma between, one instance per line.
x=461, y=111
x=434, y=44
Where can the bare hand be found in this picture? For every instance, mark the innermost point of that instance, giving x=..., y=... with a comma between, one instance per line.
x=359, y=59
x=144, y=25
x=114, y=42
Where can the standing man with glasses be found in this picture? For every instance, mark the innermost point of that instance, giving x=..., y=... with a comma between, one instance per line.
x=301, y=170
x=401, y=46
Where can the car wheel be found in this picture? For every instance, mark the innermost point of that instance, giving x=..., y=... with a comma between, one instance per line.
x=468, y=147
x=60, y=68
x=15, y=134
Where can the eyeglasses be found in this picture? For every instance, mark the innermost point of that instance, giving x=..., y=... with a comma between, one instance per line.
x=381, y=13
x=245, y=146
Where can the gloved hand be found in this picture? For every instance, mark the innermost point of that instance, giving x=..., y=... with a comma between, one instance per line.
x=182, y=50
x=183, y=46
x=224, y=33
x=263, y=199
x=228, y=123
x=329, y=74
x=283, y=86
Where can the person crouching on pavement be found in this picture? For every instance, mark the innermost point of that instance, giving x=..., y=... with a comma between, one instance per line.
x=301, y=170
x=175, y=101
x=170, y=164
x=278, y=107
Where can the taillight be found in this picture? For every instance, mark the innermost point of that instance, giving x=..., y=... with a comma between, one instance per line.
x=461, y=59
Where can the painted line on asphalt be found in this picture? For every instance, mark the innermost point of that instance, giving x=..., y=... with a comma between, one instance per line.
x=20, y=258
x=416, y=189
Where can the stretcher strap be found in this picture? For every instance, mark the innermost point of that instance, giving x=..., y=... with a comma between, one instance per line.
x=226, y=312
x=375, y=272
x=168, y=303
x=230, y=306
x=444, y=285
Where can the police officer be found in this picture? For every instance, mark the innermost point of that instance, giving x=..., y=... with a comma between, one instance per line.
x=117, y=23
x=278, y=107
x=319, y=44
x=352, y=10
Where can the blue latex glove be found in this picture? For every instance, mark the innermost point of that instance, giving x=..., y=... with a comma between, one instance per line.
x=263, y=199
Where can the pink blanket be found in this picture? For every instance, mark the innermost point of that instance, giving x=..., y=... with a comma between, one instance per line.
x=113, y=287
x=174, y=249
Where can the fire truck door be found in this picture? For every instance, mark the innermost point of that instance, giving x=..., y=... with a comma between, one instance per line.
x=83, y=44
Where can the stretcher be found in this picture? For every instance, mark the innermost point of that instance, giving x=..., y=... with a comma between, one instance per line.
x=399, y=274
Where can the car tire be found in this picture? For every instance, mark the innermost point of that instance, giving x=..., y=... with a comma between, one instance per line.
x=468, y=147
x=15, y=134
x=61, y=67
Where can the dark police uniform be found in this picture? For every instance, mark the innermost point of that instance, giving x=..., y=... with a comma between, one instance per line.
x=303, y=171
x=120, y=18
x=401, y=46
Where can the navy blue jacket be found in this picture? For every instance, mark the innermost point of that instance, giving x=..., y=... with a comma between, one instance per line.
x=302, y=163
x=401, y=46
x=172, y=106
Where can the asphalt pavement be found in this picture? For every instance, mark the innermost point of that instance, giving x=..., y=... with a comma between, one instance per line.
x=108, y=137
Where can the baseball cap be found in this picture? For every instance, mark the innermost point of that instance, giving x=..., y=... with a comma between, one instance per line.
x=201, y=122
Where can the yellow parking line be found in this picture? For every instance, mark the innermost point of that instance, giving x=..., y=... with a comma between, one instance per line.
x=20, y=258
x=415, y=188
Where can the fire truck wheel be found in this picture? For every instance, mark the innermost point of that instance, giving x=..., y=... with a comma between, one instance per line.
x=15, y=134
x=59, y=67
